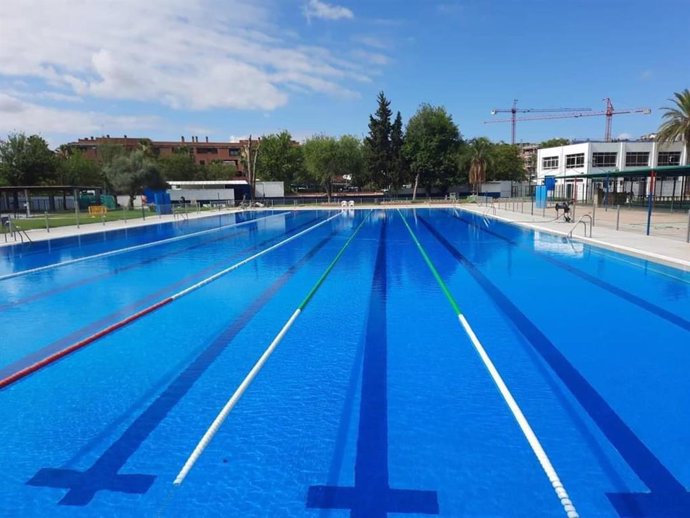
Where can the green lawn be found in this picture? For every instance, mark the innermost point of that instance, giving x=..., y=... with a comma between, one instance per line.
x=65, y=219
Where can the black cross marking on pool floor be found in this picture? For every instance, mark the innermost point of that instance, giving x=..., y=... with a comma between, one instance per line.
x=103, y=475
x=668, y=497
x=372, y=496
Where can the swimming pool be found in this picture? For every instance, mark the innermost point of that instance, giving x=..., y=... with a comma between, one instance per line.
x=375, y=403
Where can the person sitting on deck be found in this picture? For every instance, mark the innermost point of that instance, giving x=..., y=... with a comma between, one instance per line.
x=566, y=211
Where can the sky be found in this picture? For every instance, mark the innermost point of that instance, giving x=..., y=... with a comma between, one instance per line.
x=230, y=68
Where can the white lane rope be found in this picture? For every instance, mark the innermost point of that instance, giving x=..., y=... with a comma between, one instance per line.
x=522, y=422
x=520, y=418
x=250, y=258
x=227, y=408
x=135, y=247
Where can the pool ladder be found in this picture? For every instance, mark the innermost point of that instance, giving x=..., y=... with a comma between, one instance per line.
x=14, y=230
x=582, y=220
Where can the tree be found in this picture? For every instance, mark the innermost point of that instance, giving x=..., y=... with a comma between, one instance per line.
x=180, y=165
x=26, y=161
x=506, y=163
x=217, y=170
x=479, y=157
x=350, y=156
x=73, y=168
x=64, y=151
x=280, y=158
x=250, y=152
x=554, y=142
x=379, y=155
x=400, y=172
x=131, y=173
x=326, y=158
x=147, y=147
x=432, y=141
x=108, y=152
x=676, y=122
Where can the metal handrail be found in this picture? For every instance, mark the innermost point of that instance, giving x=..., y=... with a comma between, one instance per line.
x=20, y=231
x=581, y=220
x=177, y=214
x=15, y=230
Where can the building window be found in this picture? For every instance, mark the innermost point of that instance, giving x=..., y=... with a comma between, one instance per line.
x=669, y=158
x=234, y=152
x=637, y=159
x=573, y=161
x=549, y=162
x=604, y=159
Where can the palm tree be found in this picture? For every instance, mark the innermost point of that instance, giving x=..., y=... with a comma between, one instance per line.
x=147, y=147
x=64, y=151
x=676, y=122
x=479, y=159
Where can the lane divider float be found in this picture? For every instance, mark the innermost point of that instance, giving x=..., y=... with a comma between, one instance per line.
x=519, y=416
x=30, y=369
x=133, y=248
x=225, y=411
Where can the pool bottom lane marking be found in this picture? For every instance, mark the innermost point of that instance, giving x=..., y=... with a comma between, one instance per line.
x=522, y=422
x=372, y=496
x=52, y=358
x=134, y=247
x=103, y=474
x=132, y=307
x=227, y=408
x=133, y=265
x=593, y=279
x=668, y=497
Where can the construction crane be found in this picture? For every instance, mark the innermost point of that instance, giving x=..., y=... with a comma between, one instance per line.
x=515, y=110
x=609, y=112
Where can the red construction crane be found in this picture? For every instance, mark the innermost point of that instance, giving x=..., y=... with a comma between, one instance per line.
x=609, y=112
x=514, y=111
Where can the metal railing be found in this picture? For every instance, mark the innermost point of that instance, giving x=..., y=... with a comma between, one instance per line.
x=14, y=230
x=582, y=220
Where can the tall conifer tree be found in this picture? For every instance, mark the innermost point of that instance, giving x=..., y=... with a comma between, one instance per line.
x=400, y=172
x=378, y=144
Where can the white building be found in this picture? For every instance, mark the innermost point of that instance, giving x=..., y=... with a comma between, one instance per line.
x=565, y=163
x=206, y=191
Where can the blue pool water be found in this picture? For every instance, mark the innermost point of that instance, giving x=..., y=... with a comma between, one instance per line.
x=374, y=404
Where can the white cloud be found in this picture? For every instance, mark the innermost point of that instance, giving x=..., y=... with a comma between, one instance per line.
x=375, y=58
x=217, y=55
x=318, y=9
x=372, y=41
x=17, y=115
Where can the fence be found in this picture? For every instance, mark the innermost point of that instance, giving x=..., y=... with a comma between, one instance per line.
x=660, y=219
x=14, y=227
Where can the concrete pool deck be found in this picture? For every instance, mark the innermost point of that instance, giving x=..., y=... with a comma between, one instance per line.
x=673, y=252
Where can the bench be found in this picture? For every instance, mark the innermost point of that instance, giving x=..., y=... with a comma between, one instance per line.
x=97, y=210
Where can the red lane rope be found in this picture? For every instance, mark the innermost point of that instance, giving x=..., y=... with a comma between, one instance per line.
x=12, y=378
x=81, y=343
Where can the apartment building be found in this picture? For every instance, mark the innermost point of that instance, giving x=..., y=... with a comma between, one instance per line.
x=203, y=152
